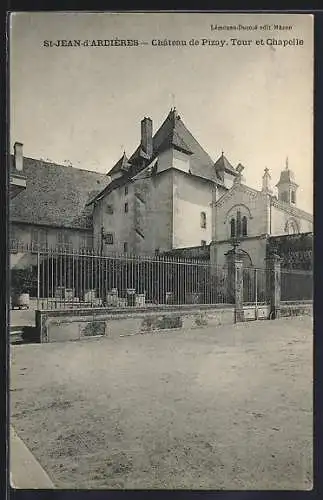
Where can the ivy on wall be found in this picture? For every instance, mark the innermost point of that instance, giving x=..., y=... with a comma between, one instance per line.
x=295, y=250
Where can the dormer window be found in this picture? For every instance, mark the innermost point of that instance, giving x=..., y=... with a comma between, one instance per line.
x=203, y=220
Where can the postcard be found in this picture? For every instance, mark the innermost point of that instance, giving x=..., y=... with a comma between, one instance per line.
x=160, y=240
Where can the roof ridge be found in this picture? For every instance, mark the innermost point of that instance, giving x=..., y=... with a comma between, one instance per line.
x=39, y=160
x=180, y=121
x=291, y=209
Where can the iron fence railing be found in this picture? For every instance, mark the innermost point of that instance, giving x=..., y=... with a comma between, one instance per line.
x=255, y=285
x=73, y=279
x=64, y=278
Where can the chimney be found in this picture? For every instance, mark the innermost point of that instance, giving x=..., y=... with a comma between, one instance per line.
x=18, y=155
x=147, y=136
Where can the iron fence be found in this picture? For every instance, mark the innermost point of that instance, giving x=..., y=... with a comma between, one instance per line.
x=255, y=285
x=62, y=278
x=73, y=279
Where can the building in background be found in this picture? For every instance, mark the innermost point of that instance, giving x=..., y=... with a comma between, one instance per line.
x=161, y=197
x=253, y=217
x=17, y=182
x=51, y=211
x=168, y=196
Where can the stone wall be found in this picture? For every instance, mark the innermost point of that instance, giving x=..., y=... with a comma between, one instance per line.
x=64, y=325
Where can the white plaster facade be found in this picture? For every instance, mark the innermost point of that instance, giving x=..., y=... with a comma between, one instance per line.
x=169, y=210
x=265, y=215
x=177, y=197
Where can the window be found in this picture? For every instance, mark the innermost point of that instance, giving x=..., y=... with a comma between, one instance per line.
x=126, y=190
x=126, y=207
x=238, y=226
x=293, y=197
x=109, y=209
x=238, y=223
x=125, y=247
x=87, y=241
x=203, y=243
x=233, y=228
x=291, y=227
x=63, y=239
x=108, y=237
x=244, y=226
x=203, y=220
x=39, y=238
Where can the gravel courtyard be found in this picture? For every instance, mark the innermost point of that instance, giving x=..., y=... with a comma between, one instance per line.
x=224, y=408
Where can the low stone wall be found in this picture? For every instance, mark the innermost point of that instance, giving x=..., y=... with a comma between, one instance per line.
x=289, y=309
x=76, y=324
x=67, y=325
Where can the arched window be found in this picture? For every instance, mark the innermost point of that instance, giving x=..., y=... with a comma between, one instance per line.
x=238, y=223
x=293, y=197
x=233, y=227
x=291, y=227
x=203, y=220
x=244, y=226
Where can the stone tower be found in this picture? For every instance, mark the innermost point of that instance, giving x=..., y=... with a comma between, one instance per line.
x=287, y=186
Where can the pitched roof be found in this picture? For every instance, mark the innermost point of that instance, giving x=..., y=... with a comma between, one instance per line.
x=223, y=164
x=122, y=164
x=286, y=176
x=291, y=209
x=56, y=195
x=173, y=133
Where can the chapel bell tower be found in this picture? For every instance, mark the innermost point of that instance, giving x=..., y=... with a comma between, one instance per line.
x=287, y=186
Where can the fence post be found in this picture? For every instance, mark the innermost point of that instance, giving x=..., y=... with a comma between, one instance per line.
x=274, y=284
x=238, y=289
x=235, y=275
x=38, y=280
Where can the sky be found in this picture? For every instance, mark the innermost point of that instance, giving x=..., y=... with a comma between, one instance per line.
x=84, y=105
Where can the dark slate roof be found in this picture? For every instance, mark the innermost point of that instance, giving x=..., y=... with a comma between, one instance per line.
x=223, y=164
x=120, y=181
x=122, y=164
x=286, y=176
x=56, y=195
x=173, y=133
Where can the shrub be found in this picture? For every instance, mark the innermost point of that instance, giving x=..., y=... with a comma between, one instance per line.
x=21, y=280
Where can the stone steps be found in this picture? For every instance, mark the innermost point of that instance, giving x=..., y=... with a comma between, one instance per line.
x=23, y=334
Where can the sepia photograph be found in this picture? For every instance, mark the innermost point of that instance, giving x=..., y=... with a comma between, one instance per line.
x=160, y=302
